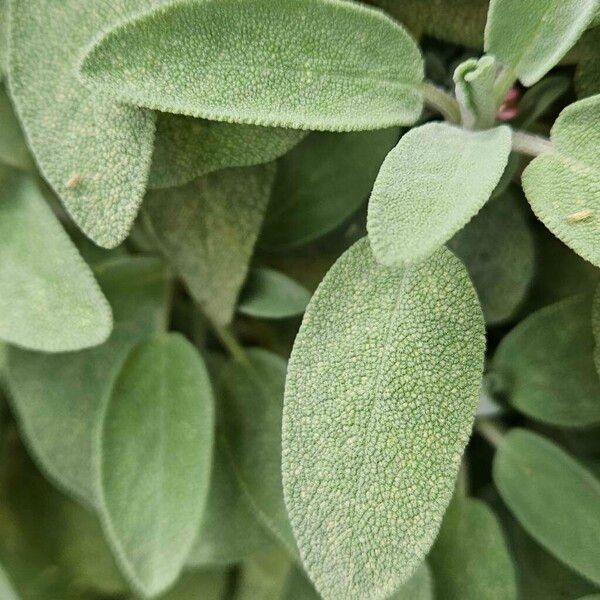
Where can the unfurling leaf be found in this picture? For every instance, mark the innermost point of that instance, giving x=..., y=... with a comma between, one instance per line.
x=474, y=80
x=186, y=148
x=155, y=453
x=563, y=185
x=207, y=230
x=547, y=364
x=95, y=153
x=554, y=498
x=380, y=397
x=49, y=299
x=430, y=185
x=530, y=37
x=304, y=64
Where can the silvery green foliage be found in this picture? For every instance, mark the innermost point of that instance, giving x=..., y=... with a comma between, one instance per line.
x=13, y=147
x=356, y=441
x=347, y=67
x=474, y=80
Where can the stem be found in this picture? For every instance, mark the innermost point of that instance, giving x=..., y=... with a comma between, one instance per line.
x=505, y=80
x=490, y=431
x=528, y=143
x=231, y=343
x=441, y=101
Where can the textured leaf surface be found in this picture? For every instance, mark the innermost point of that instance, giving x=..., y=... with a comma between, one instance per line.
x=13, y=148
x=102, y=146
x=342, y=67
x=269, y=294
x=563, y=186
x=547, y=364
x=207, y=230
x=474, y=85
x=497, y=247
x=430, y=185
x=58, y=398
x=186, y=148
x=532, y=36
x=381, y=392
x=49, y=299
x=470, y=559
x=323, y=182
x=155, y=457
x=554, y=498
x=252, y=406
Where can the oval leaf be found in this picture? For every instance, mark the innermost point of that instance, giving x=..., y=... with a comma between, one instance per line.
x=547, y=365
x=531, y=37
x=342, y=66
x=554, y=498
x=49, y=299
x=430, y=185
x=563, y=186
x=380, y=398
x=154, y=460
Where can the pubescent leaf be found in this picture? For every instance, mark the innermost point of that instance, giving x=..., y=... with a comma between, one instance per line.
x=343, y=66
x=49, y=299
x=563, y=186
x=531, y=37
x=13, y=147
x=207, y=230
x=154, y=458
x=58, y=398
x=474, y=85
x=95, y=153
x=554, y=498
x=187, y=148
x=430, y=185
x=547, y=364
x=380, y=396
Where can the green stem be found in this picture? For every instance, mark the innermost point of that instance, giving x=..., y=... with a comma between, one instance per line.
x=505, y=80
x=530, y=144
x=489, y=430
x=442, y=102
x=231, y=343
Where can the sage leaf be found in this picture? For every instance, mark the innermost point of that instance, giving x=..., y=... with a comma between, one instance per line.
x=563, y=186
x=384, y=378
x=497, y=247
x=269, y=294
x=430, y=185
x=531, y=37
x=474, y=86
x=587, y=76
x=49, y=299
x=186, y=148
x=347, y=67
x=155, y=452
x=547, y=364
x=470, y=559
x=95, y=153
x=199, y=585
x=13, y=148
x=321, y=183
x=554, y=498
x=58, y=398
x=6, y=590
x=208, y=229
x=252, y=400
x=3, y=37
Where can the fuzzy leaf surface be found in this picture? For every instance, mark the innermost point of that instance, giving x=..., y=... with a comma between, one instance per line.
x=430, y=185
x=304, y=64
x=49, y=299
x=532, y=36
x=554, y=498
x=380, y=396
x=13, y=147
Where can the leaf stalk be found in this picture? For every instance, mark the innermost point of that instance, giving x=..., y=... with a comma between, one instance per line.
x=438, y=99
x=530, y=144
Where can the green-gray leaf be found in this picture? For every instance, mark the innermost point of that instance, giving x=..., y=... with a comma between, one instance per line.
x=474, y=85
x=58, y=398
x=430, y=185
x=252, y=403
x=470, y=559
x=13, y=148
x=531, y=37
x=186, y=148
x=555, y=499
x=497, y=247
x=155, y=452
x=323, y=182
x=269, y=294
x=343, y=66
x=563, y=185
x=384, y=379
x=50, y=300
x=547, y=365
x=587, y=77
x=208, y=229
x=95, y=153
